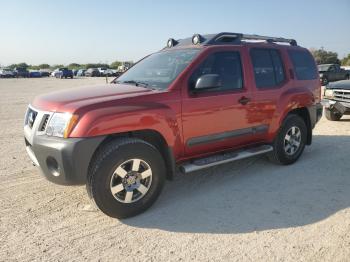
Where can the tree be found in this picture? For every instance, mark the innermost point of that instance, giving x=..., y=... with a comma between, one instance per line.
x=115, y=64
x=74, y=66
x=44, y=66
x=34, y=67
x=325, y=57
x=56, y=66
x=97, y=65
x=346, y=61
x=20, y=65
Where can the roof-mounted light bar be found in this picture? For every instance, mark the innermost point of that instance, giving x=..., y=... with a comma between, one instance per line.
x=171, y=42
x=226, y=38
x=197, y=39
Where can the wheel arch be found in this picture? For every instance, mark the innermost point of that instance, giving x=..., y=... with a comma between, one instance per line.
x=151, y=136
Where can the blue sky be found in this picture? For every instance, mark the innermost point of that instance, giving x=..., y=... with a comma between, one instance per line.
x=82, y=31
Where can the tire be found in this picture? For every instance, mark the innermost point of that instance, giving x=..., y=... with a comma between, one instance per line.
x=324, y=81
x=103, y=177
x=279, y=154
x=332, y=115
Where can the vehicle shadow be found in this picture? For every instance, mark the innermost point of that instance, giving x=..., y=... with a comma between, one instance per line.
x=255, y=195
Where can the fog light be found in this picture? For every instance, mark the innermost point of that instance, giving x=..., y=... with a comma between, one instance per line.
x=52, y=165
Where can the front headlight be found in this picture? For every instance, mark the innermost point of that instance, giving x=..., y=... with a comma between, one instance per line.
x=328, y=93
x=61, y=124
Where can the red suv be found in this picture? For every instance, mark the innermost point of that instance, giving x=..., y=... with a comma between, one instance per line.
x=199, y=102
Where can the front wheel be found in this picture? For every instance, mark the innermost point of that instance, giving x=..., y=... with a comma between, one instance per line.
x=126, y=177
x=332, y=115
x=290, y=141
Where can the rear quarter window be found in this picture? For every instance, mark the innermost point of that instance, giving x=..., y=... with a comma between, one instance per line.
x=303, y=64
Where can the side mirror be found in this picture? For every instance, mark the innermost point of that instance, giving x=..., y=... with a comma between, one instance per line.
x=208, y=81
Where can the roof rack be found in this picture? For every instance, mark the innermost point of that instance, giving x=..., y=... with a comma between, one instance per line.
x=234, y=37
x=227, y=38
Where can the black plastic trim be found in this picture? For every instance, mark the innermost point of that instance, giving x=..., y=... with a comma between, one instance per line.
x=72, y=155
x=227, y=135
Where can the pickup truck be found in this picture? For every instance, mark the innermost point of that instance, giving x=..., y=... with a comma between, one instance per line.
x=332, y=72
x=199, y=102
x=336, y=100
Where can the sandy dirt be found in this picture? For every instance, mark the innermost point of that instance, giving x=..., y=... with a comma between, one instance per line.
x=251, y=210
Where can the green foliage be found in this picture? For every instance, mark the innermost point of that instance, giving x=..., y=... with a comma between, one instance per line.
x=93, y=65
x=346, y=61
x=21, y=65
x=44, y=66
x=325, y=57
x=115, y=64
x=34, y=67
x=74, y=66
x=53, y=67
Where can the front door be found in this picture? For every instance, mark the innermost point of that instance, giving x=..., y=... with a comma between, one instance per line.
x=217, y=119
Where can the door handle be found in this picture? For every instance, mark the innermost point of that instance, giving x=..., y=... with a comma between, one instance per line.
x=244, y=100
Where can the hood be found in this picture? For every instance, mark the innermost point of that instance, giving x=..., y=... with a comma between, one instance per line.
x=70, y=100
x=343, y=84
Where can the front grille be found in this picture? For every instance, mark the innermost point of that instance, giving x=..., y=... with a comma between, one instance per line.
x=44, y=122
x=31, y=117
x=342, y=95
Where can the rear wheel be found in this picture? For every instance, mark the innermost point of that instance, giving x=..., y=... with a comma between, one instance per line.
x=290, y=141
x=332, y=115
x=126, y=177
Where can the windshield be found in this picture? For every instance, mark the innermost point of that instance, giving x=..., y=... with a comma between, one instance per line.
x=323, y=68
x=159, y=70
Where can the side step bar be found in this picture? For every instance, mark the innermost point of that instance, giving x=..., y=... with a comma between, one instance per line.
x=222, y=158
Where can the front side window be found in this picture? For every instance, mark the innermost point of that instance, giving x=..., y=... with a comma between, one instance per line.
x=268, y=68
x=304, y=64
x=227, y=65
x=159, y=70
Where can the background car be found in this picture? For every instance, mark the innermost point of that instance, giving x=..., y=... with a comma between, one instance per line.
x=103, y=71
x=6, y=73
x=81, y=72
x=63, y=73
x=21, y=72
x=92, y=72
x=34, y=73
x=44, y=72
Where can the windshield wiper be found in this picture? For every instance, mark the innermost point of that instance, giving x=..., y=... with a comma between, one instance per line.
x=136, y=83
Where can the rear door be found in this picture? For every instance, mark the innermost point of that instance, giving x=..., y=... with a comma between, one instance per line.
x=270, y=80
x=217, y=119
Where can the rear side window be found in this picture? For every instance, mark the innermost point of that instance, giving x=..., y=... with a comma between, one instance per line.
x=268, y=68
x=227, y=65
x=304, y=64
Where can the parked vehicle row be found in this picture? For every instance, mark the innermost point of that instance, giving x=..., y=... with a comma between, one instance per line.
x=59, y=72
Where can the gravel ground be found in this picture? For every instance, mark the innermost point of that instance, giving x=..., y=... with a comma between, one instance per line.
x=249, y=210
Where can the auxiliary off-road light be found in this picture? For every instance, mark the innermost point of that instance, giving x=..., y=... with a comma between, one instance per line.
x=196, y=39
x=171, y=42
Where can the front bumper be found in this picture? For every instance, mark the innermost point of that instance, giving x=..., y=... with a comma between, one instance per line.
x=63, y=161
x=340, y=106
